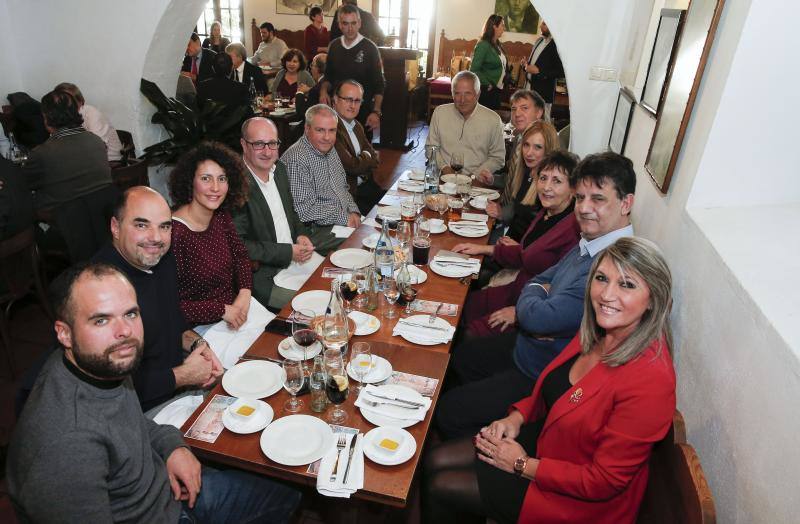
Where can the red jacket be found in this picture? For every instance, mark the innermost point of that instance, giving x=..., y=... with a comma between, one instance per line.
x=596, y=440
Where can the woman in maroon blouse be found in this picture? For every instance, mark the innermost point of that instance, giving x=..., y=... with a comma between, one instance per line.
x=214, y=275
x=316, y=37
x=551, y=234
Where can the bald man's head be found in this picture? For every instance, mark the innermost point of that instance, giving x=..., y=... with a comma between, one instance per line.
x=141, y=227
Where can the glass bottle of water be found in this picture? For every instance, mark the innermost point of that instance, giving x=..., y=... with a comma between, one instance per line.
x=384, y=252
x=316, y=383
x=432, y=171
x=335, y=328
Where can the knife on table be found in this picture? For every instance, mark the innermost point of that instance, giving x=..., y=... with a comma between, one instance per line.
x=350, y=457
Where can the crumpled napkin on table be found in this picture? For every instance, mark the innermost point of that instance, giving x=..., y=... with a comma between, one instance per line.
x=355, y=479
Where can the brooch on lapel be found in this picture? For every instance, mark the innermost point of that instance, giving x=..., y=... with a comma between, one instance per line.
x=576, y=396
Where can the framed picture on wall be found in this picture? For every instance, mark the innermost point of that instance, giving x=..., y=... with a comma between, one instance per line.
x=669, y=29
x=622, y=121
x=520, y=16
x=301, y=7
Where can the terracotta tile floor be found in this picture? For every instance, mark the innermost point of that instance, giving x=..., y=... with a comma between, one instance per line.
x=32, y=333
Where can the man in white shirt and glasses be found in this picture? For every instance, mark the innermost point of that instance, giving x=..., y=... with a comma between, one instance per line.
x=274, y=235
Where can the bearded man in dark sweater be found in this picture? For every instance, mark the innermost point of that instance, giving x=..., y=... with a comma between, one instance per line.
x=141, y=231
x=82, y=450
x=355, y=57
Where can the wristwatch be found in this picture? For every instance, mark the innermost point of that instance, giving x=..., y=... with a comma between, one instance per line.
x=519, y=465
x=377, y=112
x=196, y=343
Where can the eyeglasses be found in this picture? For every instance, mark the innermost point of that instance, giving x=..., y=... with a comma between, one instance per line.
x=349, y=100
x=258, y=145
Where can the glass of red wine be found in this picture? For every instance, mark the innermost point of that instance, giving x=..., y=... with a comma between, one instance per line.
x=349, y=290
x=457, y=161
x=303, y=332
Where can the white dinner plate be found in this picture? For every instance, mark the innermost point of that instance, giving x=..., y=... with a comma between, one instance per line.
x=469, y=232
x=457, y=179
x=258, y=420
x=380, y=370
x=366, y=324
x=418, y=276
x=351, y=257
x=297, y=440
x=405, y=451
x=423, y=319
x=451, y=271
x=480, y=191
x=415, y=174
x=372, y=240
x=478, y=204
x=412, y=186
x=380, y=420
x=289, y=349
x=316, y=300
x=253, y=379
x=391, y=212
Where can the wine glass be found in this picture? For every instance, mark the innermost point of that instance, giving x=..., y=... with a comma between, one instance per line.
x=349, y=290
x=360, y=278
x=335, y=331
x=457, y=161
x=295, y=377
x=303, y=333
x=440, y=204
x=392, y=293
x=464, y=190
x=337, y=386
x=403, y=234
x=419, y=201
x=360, y=363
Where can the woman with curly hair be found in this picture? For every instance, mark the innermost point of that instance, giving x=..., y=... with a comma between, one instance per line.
x=214, y=275
x=293, y=77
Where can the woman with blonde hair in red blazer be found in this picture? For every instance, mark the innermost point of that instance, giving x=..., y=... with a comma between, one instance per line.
x=577, y=449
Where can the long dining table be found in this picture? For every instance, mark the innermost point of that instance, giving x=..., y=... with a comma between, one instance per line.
x=389, y=485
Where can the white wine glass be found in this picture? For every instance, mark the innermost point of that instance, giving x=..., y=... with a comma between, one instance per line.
x=392, y=293
x=361, y=363
x=295, y=377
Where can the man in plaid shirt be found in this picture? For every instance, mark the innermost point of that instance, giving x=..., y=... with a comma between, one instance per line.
x=316, y=176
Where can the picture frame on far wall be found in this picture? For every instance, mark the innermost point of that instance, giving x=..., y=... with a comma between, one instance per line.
x=301, y=7
x=662, y=58
x=621, y=123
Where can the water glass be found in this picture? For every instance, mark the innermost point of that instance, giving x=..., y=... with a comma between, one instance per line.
x=392, y=293
x=295, y=377
x=361, y=363
x=337, y=387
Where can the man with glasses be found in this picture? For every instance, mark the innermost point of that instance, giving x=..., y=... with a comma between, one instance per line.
x=355, y=151
x=268, y=224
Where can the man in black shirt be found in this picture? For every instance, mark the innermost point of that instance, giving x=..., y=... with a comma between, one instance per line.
x=369, y=26
x=141, y=231
x=354, y=57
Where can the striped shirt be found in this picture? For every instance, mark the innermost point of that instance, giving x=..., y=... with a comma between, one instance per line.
x=319, y=185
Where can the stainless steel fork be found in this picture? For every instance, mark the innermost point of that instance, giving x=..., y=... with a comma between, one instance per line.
x=339, y=447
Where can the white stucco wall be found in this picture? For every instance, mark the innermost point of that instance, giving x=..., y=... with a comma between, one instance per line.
x=735, y=267
x=9, y=63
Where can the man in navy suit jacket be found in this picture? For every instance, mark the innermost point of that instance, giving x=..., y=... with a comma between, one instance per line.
x=198, y=62
x=544, y=66
x=243, y=71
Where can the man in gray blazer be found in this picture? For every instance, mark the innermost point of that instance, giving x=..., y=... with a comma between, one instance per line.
x=268, y=223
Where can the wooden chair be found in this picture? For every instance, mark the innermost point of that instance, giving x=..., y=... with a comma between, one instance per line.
x=677, y=490
x=20, y=273
x=128, y=148
x=293, y=39
x=132, y=174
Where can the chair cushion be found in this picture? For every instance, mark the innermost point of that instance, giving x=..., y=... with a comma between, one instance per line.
x=440, y=86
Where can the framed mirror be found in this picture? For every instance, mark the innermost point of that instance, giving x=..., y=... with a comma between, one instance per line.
x=622, y=121
x=669, y=28
x=682, y=84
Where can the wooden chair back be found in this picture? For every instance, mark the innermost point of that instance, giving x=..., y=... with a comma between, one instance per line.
x=132, y=174
x=677, y=490
x=449, y=49
x=293, y=39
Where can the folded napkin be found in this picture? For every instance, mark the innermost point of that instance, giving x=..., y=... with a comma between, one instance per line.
x=387, y=408
x=455, y=257
x=435, y=336
x=355, y=480
x=230, y=344
x=294, y=276
x=369, y=221
x=178, y=411
x=475, y=217
x=342, y=231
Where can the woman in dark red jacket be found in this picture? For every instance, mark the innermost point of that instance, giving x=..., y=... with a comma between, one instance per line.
x=551, y=234
x=577, y=449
